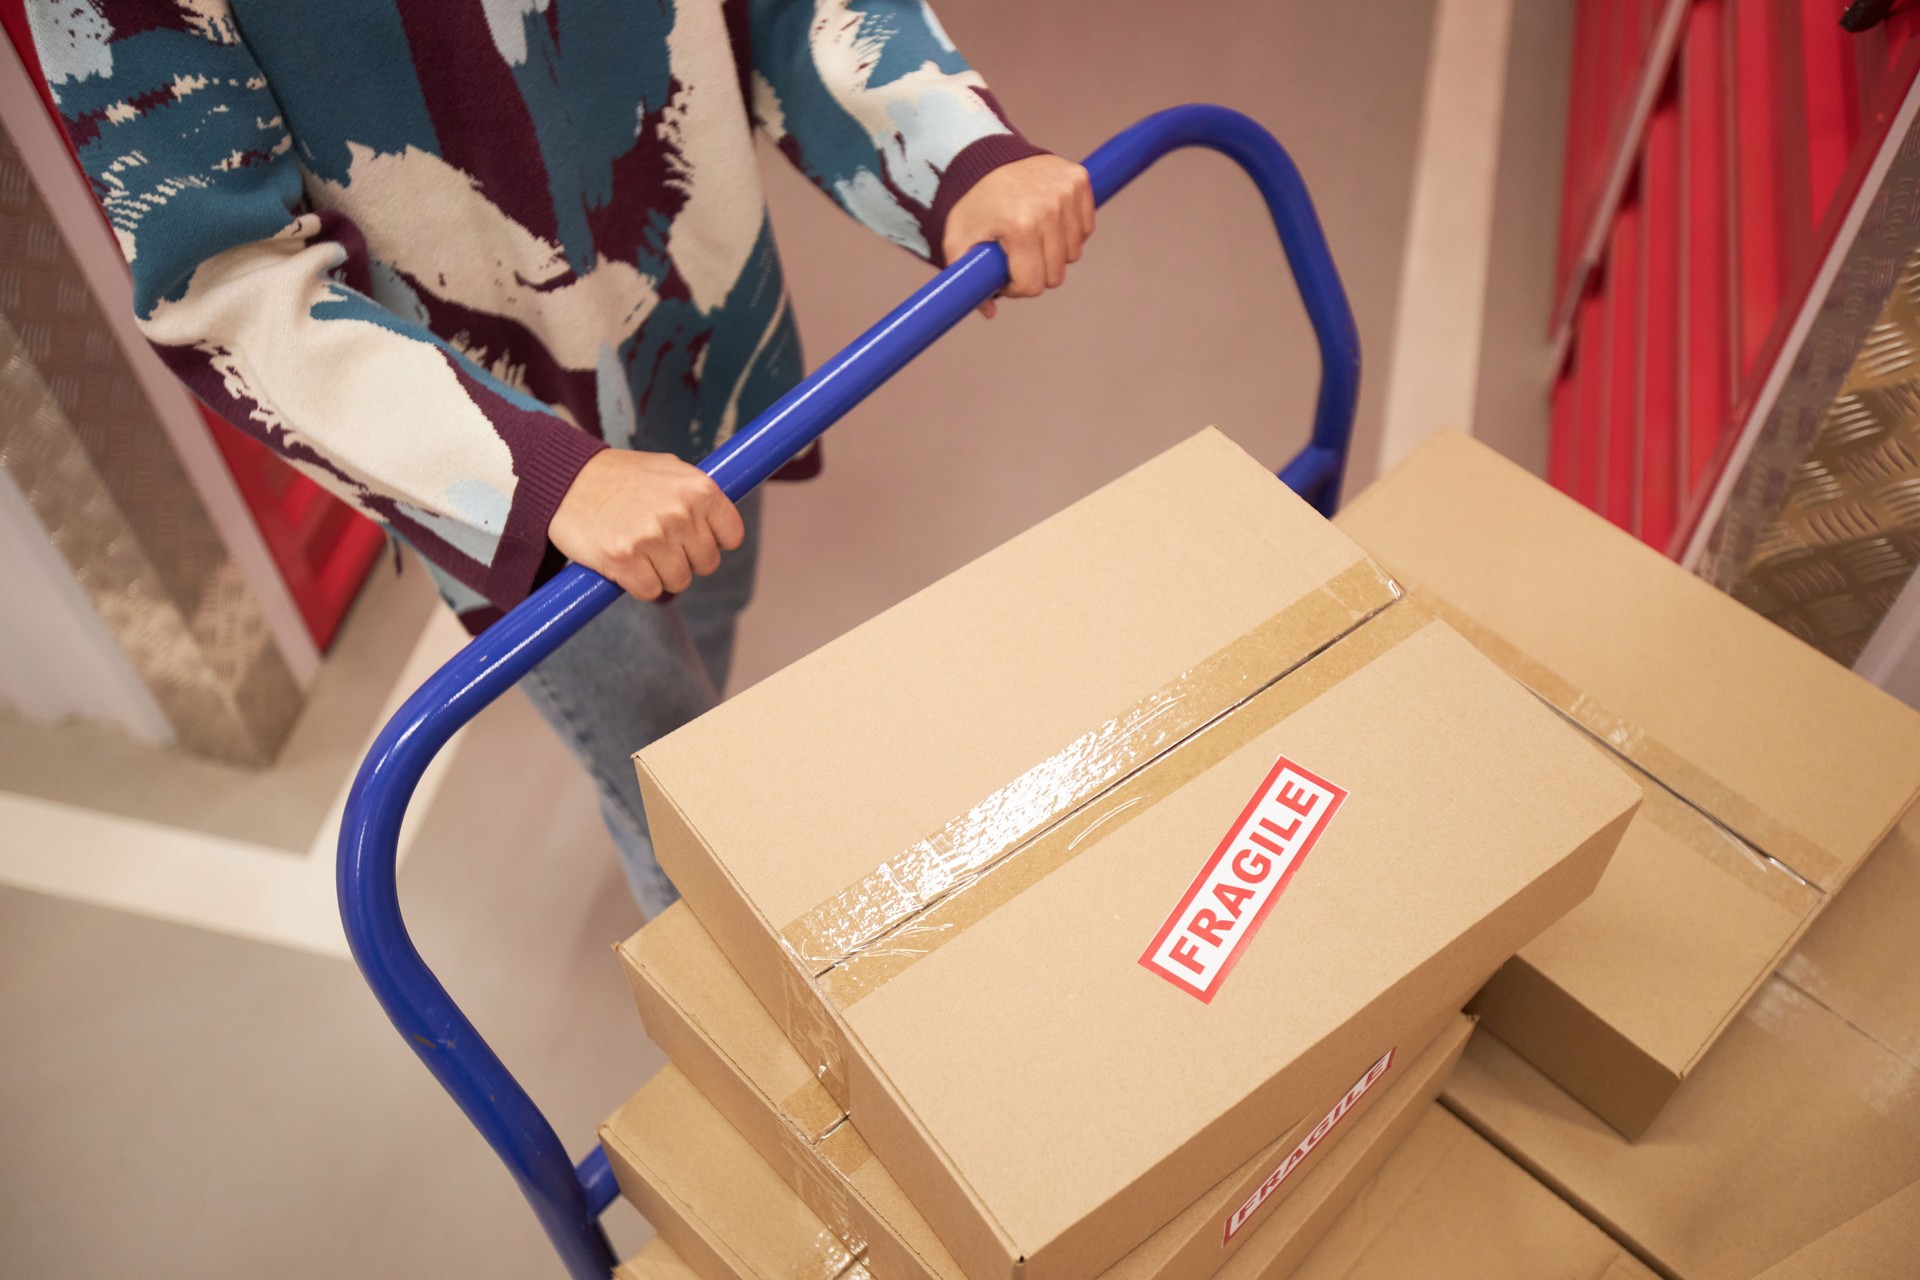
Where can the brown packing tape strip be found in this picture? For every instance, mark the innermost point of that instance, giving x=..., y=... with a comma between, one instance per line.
x=953, y=857
x=810, y=1028
x=1712, y=839
x=811, y=1113
x=875, y=966
x=1768, y=835
x=821, y=1176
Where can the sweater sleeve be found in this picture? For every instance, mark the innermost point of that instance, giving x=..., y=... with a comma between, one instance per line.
x=870, y=99
x=267, y=310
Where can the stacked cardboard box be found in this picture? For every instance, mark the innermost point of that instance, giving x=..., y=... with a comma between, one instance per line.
x=1106, y=907
x=1714, y=1056
x=1769, y=772
x=1805, y=1116
x=720, y=1149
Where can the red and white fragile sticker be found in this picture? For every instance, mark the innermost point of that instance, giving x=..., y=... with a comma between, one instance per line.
x=1198, y=945
x=1296, y=1157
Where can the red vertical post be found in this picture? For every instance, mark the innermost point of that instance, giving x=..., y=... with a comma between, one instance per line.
x=1829, y=74
x=1706, y=320
x=1619, y=481
x=1564, y=427
x=1659, y=454
x=1590, y=354
x=1757, y=122
x=1580, y=158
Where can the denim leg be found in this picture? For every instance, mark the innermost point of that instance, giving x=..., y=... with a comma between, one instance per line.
x=638, y=672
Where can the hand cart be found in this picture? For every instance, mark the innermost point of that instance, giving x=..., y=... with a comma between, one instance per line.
x=569, y=1199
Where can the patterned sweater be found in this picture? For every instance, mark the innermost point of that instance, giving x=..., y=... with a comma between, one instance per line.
x=437, y=253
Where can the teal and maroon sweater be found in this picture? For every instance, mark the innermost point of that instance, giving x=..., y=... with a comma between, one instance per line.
x=437, y=253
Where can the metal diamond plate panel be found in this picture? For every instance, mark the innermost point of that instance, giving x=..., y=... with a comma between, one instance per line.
x=78, y=437
x=1846, y=533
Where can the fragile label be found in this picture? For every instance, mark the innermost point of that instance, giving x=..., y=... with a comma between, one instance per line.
x=1206, y=933
x=1297, y=1156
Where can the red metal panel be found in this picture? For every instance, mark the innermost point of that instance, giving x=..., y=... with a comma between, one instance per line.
x=1658, y=455
x=1744, y=176
x=322, y=547
x=1590, y=354
x=1582, y=106
x=1760, y=197
x=1876, y=120
x=1828, y=76
x=1706, y=318
x=1619, y=483
x=1564, y=428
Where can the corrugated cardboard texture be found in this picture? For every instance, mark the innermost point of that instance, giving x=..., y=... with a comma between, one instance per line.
x=1448, y=1206
x=1861, y=958
x=655, y=1261
x=1806, y=1114
x=680, y=1176
x=1881, y=1244
x=1460, y=788
x=713, y=1029
x=1044, y=1097
x=708, y=1193
x=1005, y=692
x=1798, y=748
x=1304, y=1218
x=1619, y=1000
x=1290, y=1223
x=1764, y=740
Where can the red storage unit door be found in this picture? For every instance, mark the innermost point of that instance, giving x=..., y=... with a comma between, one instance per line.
x=1706, y=184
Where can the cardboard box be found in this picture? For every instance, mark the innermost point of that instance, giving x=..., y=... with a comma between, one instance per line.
x=657, y=1261
x=709, y=1195
x=1302, y=1221
x=1448, y=1206
x=1806, y=1114
x=962, y=853
x=1881, y=1244
x=675, y=1154
x=711, y=1027
x=1769, y=771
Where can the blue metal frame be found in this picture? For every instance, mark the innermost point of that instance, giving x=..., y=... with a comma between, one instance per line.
x=569, y=1200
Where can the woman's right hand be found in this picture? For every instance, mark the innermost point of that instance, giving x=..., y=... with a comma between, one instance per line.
x=648, y=521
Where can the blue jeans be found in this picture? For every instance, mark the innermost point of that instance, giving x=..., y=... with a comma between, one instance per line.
x=638, y=672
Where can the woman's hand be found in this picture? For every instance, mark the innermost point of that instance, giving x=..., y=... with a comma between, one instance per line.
x=1040, y=210
x=648, y=521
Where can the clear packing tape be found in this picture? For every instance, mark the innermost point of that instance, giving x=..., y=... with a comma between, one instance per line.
x=914, y=902
x=1755, y=830
x=922, y=897
x=822, y=1176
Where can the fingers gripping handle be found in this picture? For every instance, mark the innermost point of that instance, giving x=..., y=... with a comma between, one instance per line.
x=827, y=394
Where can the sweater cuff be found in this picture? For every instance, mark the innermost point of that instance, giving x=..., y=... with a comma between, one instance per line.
x=544, y=478
x=976, y=160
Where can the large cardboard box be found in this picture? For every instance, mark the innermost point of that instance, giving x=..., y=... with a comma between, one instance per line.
x=711, y=1027
x=1806, y=1114
x=1022, y=865
x=1769, y=772
x=1448, y=1206
x=705, y=1190
x=1883, y=1243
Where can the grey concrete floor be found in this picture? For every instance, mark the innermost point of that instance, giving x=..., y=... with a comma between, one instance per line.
x=179, y=1103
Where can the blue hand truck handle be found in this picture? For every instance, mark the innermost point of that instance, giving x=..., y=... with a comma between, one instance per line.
x=569, y=1200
